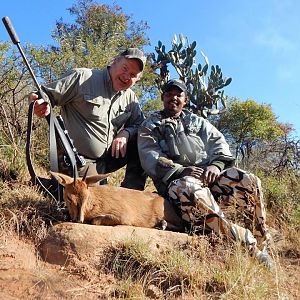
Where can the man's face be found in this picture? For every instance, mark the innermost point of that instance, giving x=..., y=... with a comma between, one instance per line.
x=124, y=73
x=174, y=100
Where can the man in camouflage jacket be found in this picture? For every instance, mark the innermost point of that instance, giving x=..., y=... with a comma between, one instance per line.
x=190, y=164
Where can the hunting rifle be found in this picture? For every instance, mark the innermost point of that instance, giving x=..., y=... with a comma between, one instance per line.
x=57, y=131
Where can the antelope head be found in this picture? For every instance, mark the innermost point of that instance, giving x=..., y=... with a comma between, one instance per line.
x=76, y=192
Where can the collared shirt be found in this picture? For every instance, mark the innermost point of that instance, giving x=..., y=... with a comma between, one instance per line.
x=92, y=111
x=168, y=145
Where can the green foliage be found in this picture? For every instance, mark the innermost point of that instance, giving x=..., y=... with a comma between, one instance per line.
x=205, y=91
x=295, y=217
x=14, y=88
x=246, y=122
x=282, y=194
x=289, y=151
x=151, y=106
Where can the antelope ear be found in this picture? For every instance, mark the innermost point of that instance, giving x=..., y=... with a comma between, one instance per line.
x=62, y=178
x=95, y=178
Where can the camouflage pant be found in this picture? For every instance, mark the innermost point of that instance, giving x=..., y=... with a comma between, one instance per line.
x=236, y=197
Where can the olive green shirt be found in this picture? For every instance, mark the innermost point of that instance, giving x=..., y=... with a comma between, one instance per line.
x=92, y=111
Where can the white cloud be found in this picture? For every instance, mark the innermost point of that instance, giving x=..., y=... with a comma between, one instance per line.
x=275, y=41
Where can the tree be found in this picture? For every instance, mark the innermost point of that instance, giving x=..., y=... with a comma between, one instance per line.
x=14, y=82
x=283, y=153
x=205, y=91
x=245, y=123
x=98, y=33
x=15, y=85
x=152, y=105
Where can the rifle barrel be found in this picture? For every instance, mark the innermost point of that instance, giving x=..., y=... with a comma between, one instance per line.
x=15, y=39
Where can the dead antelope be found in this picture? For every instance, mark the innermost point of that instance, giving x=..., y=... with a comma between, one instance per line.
x=109, y=205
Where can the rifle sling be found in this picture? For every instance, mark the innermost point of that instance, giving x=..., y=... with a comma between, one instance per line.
x=55, y=131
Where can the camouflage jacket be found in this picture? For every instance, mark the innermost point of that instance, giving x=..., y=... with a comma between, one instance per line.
x=167, y=145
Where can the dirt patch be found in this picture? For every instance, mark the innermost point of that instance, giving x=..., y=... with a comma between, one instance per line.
x=24, y=276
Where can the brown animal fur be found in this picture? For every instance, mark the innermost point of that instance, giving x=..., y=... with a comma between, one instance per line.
x=109, y=205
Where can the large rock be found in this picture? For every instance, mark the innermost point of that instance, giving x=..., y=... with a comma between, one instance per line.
x=87, y=242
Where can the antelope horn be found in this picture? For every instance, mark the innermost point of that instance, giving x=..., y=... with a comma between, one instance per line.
x=85, y=173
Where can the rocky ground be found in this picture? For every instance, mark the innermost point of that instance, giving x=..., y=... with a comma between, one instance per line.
x=65, y=266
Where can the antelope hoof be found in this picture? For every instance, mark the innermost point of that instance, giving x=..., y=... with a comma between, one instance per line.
x=162, y=225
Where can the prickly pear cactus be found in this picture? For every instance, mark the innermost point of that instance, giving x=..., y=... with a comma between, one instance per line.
x=205, y=91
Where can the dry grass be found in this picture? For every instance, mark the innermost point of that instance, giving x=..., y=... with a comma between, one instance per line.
x=25, y=210
x=208, y=268
x=199, y=271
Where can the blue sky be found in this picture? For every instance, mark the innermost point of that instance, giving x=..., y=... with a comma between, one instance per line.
x=255, y=42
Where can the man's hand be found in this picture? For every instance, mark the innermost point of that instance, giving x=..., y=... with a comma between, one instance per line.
x=207, y=175
x=119, y=144
x=192, y=171
x=211, y=173
x=41, y=108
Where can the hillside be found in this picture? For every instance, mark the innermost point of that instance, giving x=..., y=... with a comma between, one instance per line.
x=204, y=268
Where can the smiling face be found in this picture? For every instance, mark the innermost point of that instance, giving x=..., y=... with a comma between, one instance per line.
x=124, y=73
x=174, y=100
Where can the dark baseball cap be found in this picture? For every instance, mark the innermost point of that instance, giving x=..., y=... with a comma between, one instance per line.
x=136, y=54
x=175, y=82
